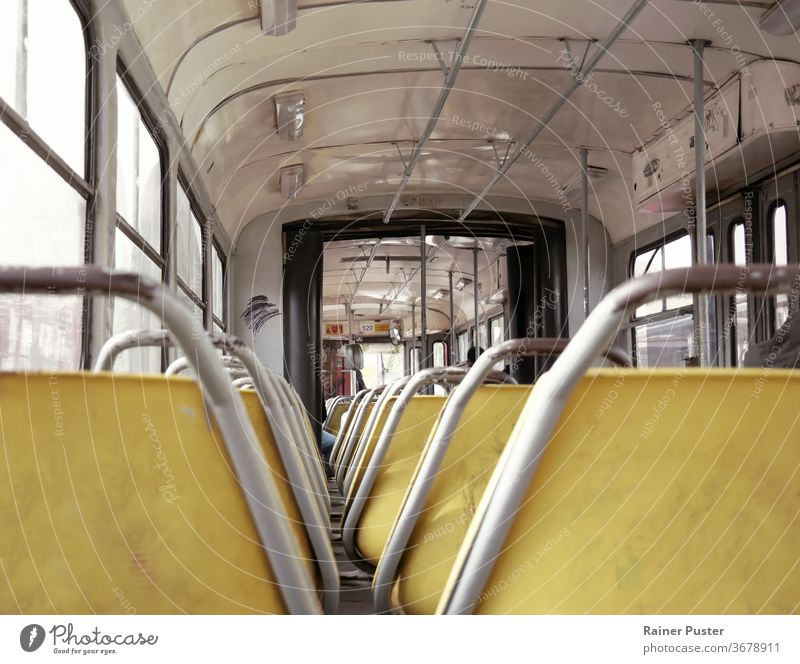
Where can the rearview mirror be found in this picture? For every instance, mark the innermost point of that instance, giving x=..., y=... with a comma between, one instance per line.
x=395, y=336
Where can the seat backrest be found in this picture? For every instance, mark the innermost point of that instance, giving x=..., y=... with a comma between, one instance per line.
x=334, y=421
x=395, y=471
x=117, y=492
x=660, y=491
x=472, y=454
x=365, y=447
x=353, y=436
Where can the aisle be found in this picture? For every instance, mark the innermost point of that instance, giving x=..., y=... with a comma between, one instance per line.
x=356, y=591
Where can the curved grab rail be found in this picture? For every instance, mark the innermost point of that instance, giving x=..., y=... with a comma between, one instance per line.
x=347, y=445
x=245, y=382
x=126, y=340
x=354, y=507
x=247, y=457
x=435, y=452
x=300, y=475
x=362, y=441
x=520, y=458
x=342, y=435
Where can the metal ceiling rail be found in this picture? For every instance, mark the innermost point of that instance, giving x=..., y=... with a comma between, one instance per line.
x=449, y=82
x=414, y=273
x=577, y=82
x=367, y=265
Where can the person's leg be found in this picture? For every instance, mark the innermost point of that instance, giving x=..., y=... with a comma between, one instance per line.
x=326, y=446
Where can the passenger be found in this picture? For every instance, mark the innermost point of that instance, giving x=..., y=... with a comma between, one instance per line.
x=472, y=355
x=326, y=443
x=782, y=351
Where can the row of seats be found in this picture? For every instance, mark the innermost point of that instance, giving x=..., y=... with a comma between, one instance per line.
x=161, y=494
x=597, y=490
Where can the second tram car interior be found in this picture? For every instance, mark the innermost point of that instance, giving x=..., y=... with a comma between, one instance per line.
x=399, y=306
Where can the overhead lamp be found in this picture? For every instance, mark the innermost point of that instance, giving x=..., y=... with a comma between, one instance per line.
x=289, y=111
x=292, y=180
x=463, y=282
x=595, y=173
x=441, y=294
x=498, y=297
x=782, y=19
x=278, y=17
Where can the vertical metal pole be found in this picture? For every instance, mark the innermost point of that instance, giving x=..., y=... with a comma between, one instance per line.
x=413, y=363
x=423, y=286
x=475, y=336
x=702, y=326
x=585, y=229
x=349, y=311
x=452, y=354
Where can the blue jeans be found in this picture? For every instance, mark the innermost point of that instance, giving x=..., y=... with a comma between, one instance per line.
x=326, y=447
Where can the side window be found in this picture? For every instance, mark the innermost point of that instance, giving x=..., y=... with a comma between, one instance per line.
x=217, y=289
x=497, y=334
x=189, y=245
x=663, y=330
x=741, y=252
x=780, y=256
x=137, y=247
x=43, y=79
x=463, y=345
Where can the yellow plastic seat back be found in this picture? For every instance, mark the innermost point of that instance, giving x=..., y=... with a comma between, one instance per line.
x=466, y=467
x=662, y=493
x=335, y=417
x=366, y=447
x=354, y=433
x=394, y=474
x=117, y=495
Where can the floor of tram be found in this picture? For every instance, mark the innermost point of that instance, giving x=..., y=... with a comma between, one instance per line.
x=355, y=597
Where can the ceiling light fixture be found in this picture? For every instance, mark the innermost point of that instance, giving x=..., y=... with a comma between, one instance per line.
x=462, y=283
x=595, y=173
x=292, y=180
x=441, y=294
x=782, y=19
x=278, y=17
x=289, y=115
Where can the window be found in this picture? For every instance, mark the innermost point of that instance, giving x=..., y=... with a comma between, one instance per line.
x=483, y=341
x=665, y=256
x=439, y=360
x=463, y=340
x=663, y=330
x=741, y=242
x=43, y=213
x=138, y=241
x=138, y=171
x=129, y=315
x=189, y=245
x=780, y=256
x=217, y=289
x=497, y=333
x=43, y=72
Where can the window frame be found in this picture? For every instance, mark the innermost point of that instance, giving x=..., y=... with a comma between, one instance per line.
x=85, y=184
x=223, y=323
x=200, y=299
x=770, y=231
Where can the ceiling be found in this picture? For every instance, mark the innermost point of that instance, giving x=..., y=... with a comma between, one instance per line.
x=370, y=81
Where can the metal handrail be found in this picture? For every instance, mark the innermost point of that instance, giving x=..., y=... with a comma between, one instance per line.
x=441, y=437
x=347, y=447
x=258, y=486
x=511, y=478
x=362, y=442
x=340, y=437
x=126, y=340
x=354, y=506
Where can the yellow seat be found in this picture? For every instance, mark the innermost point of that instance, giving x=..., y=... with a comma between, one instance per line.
x=385, y=498
x=353, y=435
x=336, y=415
x=365, y=448
x=117, y=496
x=466, y=467
x=662, y=493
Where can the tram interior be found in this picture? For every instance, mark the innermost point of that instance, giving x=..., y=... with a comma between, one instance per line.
x=399, y=306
